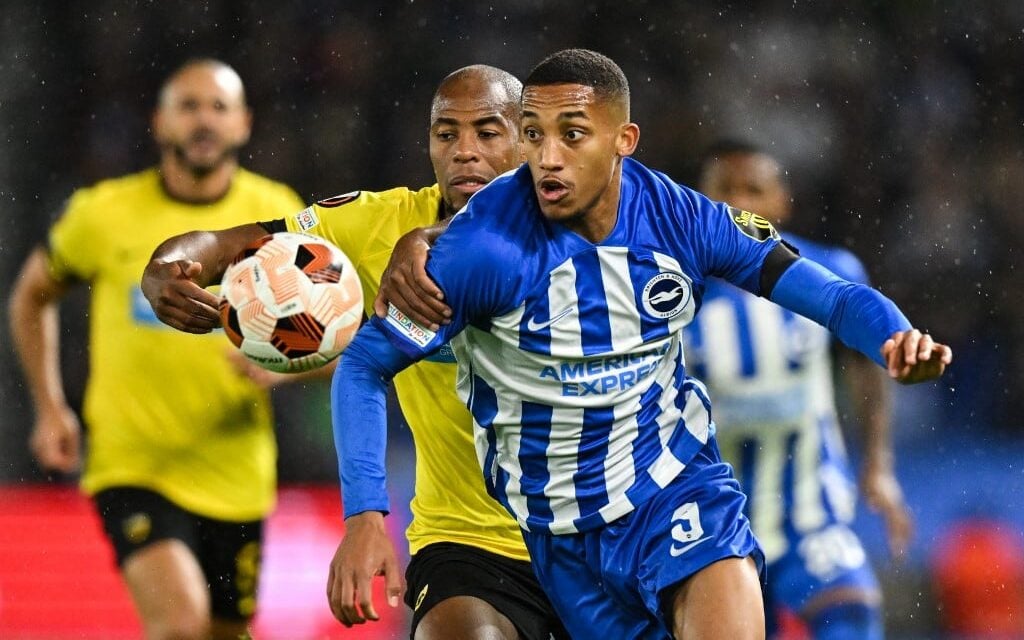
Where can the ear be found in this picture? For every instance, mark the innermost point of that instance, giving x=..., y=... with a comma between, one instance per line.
x=628, y=138
x=246, y=126
x=156, y=123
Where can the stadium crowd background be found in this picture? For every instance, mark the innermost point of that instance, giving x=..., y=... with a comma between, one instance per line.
x=900, y=123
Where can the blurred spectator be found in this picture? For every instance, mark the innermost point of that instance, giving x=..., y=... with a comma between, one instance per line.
x=978, y=574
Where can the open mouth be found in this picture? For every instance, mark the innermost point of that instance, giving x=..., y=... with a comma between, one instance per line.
x=551, y=190
x=468, y=184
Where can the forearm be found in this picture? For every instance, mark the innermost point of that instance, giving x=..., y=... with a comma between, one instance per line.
x=213, y=249
x=359, y=419
x=870, y=396
x=860, y=316
x=35, y=331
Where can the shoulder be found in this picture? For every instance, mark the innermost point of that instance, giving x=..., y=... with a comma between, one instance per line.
x=255, y=185
x=501, y=218
x=369, y=209
x=98, y=199
x=658, y=191
x=836, y=259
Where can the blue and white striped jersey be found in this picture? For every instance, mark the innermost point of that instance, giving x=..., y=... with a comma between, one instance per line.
x=571, y=357
x=769, y=372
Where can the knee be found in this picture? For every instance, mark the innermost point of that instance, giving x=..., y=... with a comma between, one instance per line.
x=847, y=621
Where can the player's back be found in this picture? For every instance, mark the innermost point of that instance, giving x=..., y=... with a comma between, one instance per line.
x=769, y=374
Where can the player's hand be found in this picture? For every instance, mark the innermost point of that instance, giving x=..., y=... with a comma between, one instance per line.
x=55, y=440
x=176, y=299
x=883, y=495
x=406, y=285
x=912, y=356
x=365, y=551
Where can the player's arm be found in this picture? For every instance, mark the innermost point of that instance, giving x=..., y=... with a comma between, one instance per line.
x=181, y=267
x=405, y=282
x=34, y=325
x=358, y=398
x=870, y=397
x=860, y=316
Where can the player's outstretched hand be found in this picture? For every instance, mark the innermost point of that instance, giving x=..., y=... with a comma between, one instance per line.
x=175, y=297
x=364, y=552
x=883, y=495
x=912, y=356
x=406, y=285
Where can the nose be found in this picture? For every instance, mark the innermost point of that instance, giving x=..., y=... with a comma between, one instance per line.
x=550, y=158
x=466, y=149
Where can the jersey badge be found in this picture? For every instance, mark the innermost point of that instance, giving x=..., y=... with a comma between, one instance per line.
x=666, y=295
x=137, y=527
x=416, y=334
x=337, y=201
x=753, y=225
x=307, y=219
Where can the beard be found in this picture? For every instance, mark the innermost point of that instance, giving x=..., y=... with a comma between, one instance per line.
x=201, y=166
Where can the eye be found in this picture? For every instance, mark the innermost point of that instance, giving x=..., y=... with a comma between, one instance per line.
x=573, y=135
x=220, y=106
x=531, y=134
x=487, y=135
x=445, y=136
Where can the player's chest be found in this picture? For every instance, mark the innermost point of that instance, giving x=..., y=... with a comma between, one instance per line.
x=600, y=301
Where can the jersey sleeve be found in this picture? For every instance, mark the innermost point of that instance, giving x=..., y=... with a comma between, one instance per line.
x=350, y=221
x=476, y=266
x=735, y=243
x=76, y=241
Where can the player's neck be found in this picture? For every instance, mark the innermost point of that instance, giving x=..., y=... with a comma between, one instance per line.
x=598, y=220
x=185, y=185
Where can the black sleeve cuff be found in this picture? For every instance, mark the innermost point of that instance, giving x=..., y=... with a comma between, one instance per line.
x=775, y=264
x=274, y=226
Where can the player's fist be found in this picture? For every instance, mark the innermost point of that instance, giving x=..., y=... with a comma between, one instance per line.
x=912, y=356
x=176, y=298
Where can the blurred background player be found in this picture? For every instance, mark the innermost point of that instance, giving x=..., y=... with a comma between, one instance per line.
x=469, y=576
x=181, y=452
x=770, y=376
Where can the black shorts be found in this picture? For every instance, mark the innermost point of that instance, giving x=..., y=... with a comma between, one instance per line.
x=444, y=570
x=228, y=552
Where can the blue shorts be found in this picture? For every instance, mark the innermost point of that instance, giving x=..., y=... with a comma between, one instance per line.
x=828, y=558
x=612, y=580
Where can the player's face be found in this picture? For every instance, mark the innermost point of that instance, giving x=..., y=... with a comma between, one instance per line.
x=472, y=139
x=574, y=144
x=202, y=119
x=748, y=181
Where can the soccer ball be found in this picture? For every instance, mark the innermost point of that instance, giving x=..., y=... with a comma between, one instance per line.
x=291, y=302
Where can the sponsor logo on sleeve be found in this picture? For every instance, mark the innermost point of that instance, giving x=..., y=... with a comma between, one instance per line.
x=307, y=219
x=405, y=327
x=753, y=225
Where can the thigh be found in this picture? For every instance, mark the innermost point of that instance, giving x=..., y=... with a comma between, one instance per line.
x=568, y=567
x=457, y=590
x=154, y=542
x=694, y=522
x=230, y=555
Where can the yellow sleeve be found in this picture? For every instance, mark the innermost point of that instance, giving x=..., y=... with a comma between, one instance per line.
x=351, y=221
x=76, y=240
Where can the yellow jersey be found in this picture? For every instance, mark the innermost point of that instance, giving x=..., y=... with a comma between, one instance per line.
x=450, y=502
x=165, y=410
